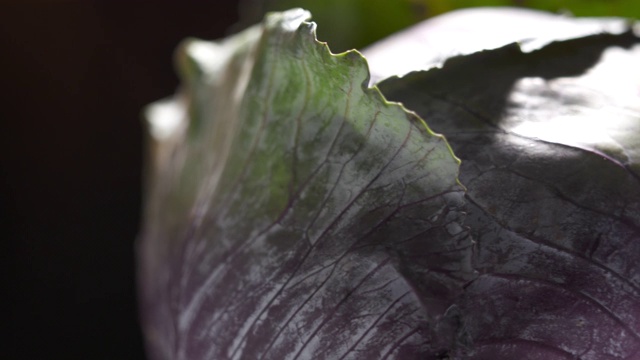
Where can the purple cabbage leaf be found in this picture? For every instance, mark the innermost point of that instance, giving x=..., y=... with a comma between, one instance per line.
x=292, y=212
x=549, y=140
x=295, y=208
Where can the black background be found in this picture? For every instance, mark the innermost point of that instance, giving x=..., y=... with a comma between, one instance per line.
x=75, y=75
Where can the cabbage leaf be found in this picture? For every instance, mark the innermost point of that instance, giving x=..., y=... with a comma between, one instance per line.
x=550, y=146
x=292, y=212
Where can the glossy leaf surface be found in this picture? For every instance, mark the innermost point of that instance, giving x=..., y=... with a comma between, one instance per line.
x=549, y=144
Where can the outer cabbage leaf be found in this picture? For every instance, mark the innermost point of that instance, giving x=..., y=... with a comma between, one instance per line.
x=292, y=212
x=549, y=141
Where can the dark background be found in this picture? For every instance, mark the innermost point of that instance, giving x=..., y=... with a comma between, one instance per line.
x=75, y=75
